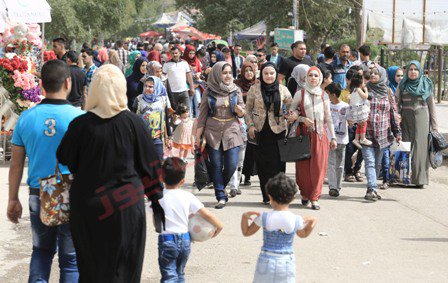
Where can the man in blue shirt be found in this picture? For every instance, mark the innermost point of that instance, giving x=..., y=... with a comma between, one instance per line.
x=37, y=135
x=340, y=66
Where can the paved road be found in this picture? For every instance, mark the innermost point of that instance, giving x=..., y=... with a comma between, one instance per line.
x=402, y=238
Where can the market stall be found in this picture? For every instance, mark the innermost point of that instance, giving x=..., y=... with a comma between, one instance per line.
x=21, y=45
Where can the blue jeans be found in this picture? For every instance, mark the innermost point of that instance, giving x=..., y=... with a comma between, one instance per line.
x=174, y=250
x=373, y=157
x=46, y=241
x=194, y=103
x=223, y=164
x=275, y=268
x=386, y=165
x=159, y=150
x=350, y=149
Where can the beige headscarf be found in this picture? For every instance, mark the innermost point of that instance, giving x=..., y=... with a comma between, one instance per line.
x=215, y=83
x=107, y=92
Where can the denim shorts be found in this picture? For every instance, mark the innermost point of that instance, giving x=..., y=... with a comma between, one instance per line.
x=272, y=268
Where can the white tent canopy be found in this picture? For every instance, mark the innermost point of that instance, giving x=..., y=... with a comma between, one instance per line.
x=170, y=19
x=28, y=11
x=407, y=22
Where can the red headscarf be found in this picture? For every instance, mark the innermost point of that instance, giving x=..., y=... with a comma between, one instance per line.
x=154, y=55
x=192, y=61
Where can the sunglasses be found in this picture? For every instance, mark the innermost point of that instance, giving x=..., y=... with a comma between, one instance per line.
x=260, y=55
x=400, y=76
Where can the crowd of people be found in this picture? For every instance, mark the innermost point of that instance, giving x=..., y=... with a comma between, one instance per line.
x=145, y=102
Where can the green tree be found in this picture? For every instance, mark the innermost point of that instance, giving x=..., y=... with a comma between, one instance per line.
x=83, y=20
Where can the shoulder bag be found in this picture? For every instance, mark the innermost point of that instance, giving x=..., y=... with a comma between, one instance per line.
x=54, y=198
x=293, y=149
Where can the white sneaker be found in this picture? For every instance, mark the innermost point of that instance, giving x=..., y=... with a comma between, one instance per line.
x=366, y=142
x=357, y=144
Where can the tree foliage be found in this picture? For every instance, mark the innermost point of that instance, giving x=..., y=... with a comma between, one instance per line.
x=322, y=20
x=85, y=19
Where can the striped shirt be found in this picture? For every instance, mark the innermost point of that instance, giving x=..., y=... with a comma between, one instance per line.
x=123, y=55
x=89, y=75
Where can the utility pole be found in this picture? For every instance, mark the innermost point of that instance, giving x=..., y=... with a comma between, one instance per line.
x=295, y=8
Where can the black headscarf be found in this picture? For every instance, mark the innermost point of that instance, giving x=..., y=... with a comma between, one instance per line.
x=270, y=92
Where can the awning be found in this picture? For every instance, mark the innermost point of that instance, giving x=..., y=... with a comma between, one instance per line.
x=28, y=11
x=253, y=32
x=194, y=33
x=150, y=33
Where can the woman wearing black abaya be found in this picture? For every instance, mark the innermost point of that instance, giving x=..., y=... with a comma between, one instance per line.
x=110, y=152
x=266, y=107
x=138, y=72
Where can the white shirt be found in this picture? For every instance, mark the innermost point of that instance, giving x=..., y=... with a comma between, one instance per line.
x=178, y=205
x=356, y=99
x=176, y=73
x=339, y=116
x=280, y=220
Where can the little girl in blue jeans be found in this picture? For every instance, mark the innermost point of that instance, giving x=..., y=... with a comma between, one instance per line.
x=276, y=262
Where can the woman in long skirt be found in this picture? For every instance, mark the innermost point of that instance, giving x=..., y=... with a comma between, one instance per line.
x=312, y=109
x=415, y=101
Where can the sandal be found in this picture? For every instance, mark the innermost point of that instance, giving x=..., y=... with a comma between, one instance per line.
x=384, y=186
x=359, y=177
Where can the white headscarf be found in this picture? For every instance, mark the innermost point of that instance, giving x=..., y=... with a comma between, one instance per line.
x=107, y=92
x=299, y=74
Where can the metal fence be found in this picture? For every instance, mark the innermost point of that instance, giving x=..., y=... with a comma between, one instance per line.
x=433, y=61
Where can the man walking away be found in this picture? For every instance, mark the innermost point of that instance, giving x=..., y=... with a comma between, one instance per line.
x=122, y=53
x=37, y=135
x=77, y=94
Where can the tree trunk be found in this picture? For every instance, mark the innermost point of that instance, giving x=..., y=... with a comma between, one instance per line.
x=358, y=25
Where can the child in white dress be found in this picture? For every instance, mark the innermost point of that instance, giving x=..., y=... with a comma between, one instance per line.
x=359, y=110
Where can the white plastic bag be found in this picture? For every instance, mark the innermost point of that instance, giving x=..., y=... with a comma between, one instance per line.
x=401, y=146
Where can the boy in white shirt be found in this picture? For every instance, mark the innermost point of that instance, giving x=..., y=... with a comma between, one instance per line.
x=336, y=158
x=174, y=241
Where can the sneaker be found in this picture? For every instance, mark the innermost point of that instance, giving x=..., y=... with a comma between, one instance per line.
x=333, y=193
x=377, y=196
x=238, y=192
x=221, y=204
x=371, y=195
x=365, y=142
x=357, y=144
x=349, y=178
x=305, y=202
x=232, y=193
x=247, y=183
x=359, y=177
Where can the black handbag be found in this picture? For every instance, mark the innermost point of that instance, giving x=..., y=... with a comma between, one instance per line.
x=293, y=149
x=438, y=141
